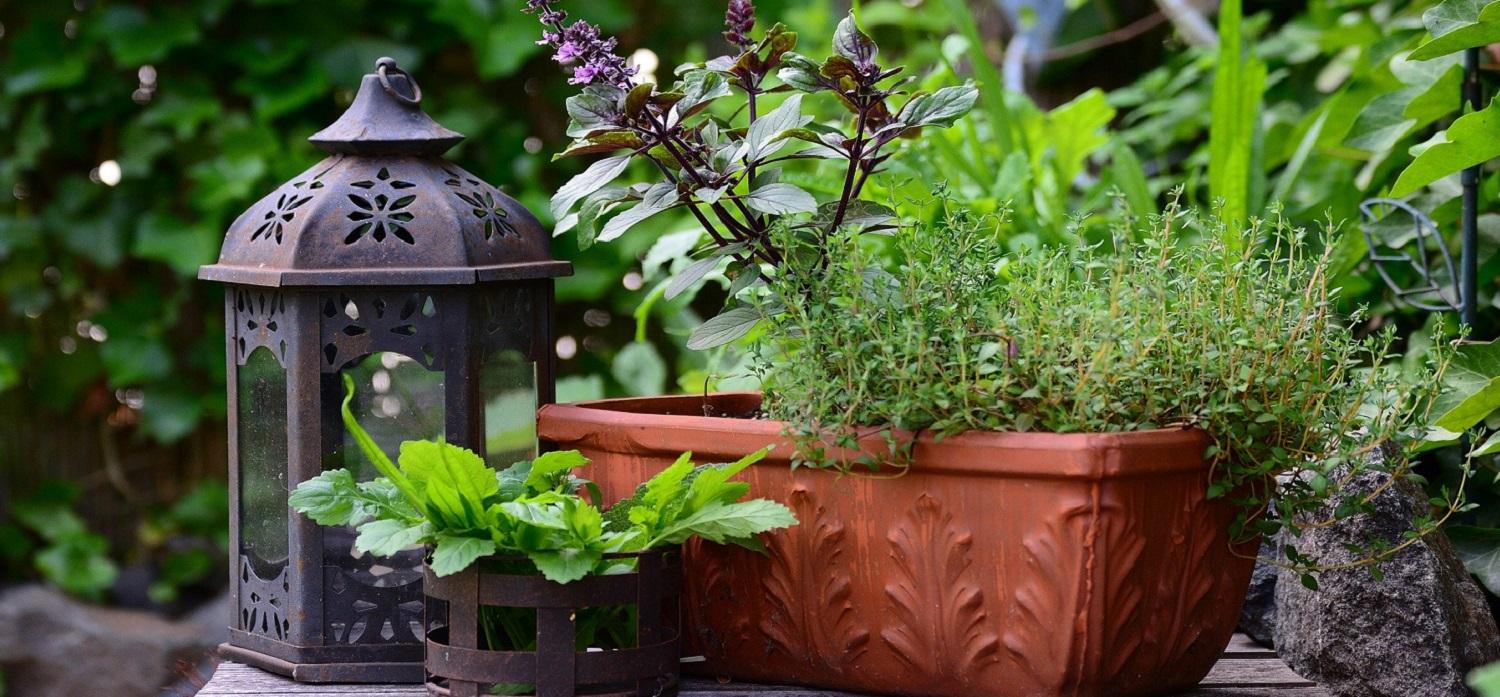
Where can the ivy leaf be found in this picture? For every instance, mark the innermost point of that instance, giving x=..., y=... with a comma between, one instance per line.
x=940, y=108
x=724, y=328
x=386, y=537
x=851, y=43
x=660, y=197
x=1490, y=446
x=781, y=199
x=1472, y=139
x=328, y=499
x=454, y=554
x=587, y=182
x=1459, y=24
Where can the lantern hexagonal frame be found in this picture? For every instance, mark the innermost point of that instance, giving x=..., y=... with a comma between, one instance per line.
x=385, y=250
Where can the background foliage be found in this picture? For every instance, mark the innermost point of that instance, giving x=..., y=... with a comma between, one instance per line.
x=131, y=133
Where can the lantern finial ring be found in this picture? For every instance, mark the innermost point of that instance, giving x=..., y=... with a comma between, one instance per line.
x=386, y=65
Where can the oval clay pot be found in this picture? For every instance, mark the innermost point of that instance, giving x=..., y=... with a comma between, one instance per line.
x=997, y=565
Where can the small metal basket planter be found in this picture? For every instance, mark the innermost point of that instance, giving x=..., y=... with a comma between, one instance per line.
x=460, y=664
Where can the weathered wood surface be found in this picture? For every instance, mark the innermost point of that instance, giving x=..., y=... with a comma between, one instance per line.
x=1246, y=670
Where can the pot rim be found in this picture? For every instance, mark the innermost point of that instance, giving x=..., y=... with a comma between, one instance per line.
x=666, y=426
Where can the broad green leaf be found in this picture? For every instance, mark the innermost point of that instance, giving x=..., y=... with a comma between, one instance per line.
x=592, y=113
x=1473, y=138
x=541, y=515
x=78, y=565
x=1459, y=24
x=453, y=554
x=764, y=136
x=384, y=538
x=660, y=197
x=548, y=470
x=567, y=565
x=712, y=483
x=1077, y=129
x=602, y=143
x=640, y=369
x=781, y=199
x=724, y=328
x=587, y=182
x=328, y=499
x=1471, y=387
x=454, y=481
x=1130, y=177
x=940, y=108
x=719, y=522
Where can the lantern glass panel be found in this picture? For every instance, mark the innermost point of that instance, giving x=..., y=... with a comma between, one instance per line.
x=262, y=432
x=508, y=386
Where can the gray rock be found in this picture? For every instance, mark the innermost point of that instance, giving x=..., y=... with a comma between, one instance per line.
x=54, y=646
x=1258, y=616
x=1415, y=633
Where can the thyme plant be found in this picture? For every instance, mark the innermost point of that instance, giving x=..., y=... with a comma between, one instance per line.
x=724, y=167
x=1182, y=327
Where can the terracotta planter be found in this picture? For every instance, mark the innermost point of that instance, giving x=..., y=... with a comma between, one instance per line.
x=999, y=565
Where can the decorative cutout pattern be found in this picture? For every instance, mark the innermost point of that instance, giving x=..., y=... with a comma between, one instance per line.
x=938, y=622
x=381, y=210
x=260, y=317
x=273, y=225
x=356, y=612
x=357, y=324
x=823, y=628
x=483, y=201
x=263, y=602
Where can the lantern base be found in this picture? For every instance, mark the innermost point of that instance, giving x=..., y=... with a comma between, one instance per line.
x=394, y=672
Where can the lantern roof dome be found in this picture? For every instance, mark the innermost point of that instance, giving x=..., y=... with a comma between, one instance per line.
x=384, y=209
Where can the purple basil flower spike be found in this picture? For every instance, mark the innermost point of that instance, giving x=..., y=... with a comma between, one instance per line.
x=581, y=45
x=739, y=19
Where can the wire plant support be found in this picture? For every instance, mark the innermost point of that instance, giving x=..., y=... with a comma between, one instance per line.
x=1435, y=293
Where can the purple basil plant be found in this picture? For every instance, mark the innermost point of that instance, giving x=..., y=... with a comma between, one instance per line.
x=725, y=170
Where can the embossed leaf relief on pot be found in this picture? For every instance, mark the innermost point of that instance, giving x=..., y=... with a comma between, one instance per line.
x=939, y=623
x=381, y=210
x=1039, y=631
x=1185, y=599
x=1125, y=593
x=709, y=601
x=810, y=591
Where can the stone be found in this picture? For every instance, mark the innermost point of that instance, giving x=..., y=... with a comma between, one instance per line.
x=1258, y=616
x=1415, y=633
x=54, y=646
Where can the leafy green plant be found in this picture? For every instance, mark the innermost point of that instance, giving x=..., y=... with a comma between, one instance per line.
x=444, y=496
x=63, y=550
x=1177, y=325
x=1486, y=680
x=729, y=176
x=186, y=541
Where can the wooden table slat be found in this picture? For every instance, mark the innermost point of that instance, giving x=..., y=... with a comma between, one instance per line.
x=1246, y=670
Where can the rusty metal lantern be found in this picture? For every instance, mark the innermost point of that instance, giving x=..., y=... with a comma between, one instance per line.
x=433, y=291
